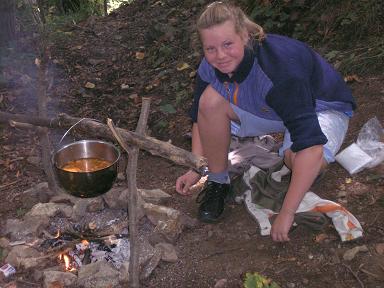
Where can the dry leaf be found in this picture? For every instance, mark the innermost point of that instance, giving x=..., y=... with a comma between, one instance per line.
x=348, y=180
x=124, y=86
x=352, y=78
x=89, y=85
x=182, y=66
x=192, y=74
x=37, y=61
x=140, y=55
x=321, y=237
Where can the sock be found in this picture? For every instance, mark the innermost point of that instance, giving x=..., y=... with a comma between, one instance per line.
x=221, y=177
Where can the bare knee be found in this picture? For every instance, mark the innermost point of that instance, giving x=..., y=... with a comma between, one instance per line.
x=213, y=104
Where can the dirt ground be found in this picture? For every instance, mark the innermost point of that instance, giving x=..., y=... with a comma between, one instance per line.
x=139, y=51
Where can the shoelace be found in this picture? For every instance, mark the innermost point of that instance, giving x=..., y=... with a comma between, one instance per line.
x=208, y=193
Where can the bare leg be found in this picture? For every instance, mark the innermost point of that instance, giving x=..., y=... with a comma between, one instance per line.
x=215, y=114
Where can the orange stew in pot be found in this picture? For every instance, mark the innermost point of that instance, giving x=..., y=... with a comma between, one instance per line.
x=86, y=165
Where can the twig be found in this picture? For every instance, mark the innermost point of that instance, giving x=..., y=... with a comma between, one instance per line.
x=9, y=184
x=354, y=275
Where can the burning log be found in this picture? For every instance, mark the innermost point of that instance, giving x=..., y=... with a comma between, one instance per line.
x=93, y=128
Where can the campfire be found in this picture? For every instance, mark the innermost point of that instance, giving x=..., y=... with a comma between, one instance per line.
x=70, y=239
x=114, y=249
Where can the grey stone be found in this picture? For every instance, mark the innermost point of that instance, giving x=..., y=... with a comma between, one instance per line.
x=23, y=230
x=151, y=265
x=40, y=193
x=64, y=278
x=112, y=198
x=4, y=242
x=169, y=252
x=18, y=256
x=351, y=253
x=154, y=196
x=170, y=229
x=98, y=275
x=95, y=204
x=50, y=210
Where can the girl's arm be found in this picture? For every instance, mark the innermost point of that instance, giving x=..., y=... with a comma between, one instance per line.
x=306, y=165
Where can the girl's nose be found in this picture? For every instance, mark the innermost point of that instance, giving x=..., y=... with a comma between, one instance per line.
x=220, y=53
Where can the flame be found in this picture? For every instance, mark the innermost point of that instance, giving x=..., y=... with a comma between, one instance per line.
x=67, y=262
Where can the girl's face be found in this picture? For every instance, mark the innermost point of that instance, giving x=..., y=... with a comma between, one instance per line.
x=223, y=47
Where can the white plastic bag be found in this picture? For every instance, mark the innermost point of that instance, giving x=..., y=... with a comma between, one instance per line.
x=367, y=152
x=371, y=141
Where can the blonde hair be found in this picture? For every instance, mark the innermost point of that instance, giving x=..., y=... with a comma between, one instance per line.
x=219, y=12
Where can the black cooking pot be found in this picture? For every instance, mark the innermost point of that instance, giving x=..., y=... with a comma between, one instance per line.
x=86, y=184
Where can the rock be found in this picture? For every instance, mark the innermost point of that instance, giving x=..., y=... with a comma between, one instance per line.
x=50, y=210
x=222, y=283
x=378, y=247
x=95, y=204
x=170, y=229
x=39, y=193
x=34, y=160
x=112, y=198
x=152, y=264
x=169, y=252
x=27, y=229
x=154, y=196
x=4, y=242
x=351, y=253
x=157, y=213
x=98, y=275
x=24, y=256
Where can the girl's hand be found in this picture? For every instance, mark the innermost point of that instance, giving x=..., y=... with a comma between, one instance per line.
x=281, y=226
x=184, y=182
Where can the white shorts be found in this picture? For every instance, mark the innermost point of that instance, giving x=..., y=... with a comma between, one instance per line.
x=334, y=125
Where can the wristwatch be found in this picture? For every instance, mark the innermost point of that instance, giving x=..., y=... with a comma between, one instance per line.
x=202, y=171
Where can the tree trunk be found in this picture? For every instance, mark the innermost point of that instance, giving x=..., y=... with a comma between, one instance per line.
x=7, y=21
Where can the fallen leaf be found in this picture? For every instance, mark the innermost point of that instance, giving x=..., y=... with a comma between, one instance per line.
x=148, y=88
x=192, y=74
x=352, y=78
x=379, y=248
x=89, y=85
x=182, y=66
x=124, y=86
x=348, y=180
x=320, y=238
x=37, y=61
x=140, y=55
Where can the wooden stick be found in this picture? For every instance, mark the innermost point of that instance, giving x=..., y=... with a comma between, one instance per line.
x=134, y=269
x=93, y=128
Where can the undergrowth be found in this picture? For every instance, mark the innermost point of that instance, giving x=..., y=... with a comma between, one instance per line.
x=348, y=33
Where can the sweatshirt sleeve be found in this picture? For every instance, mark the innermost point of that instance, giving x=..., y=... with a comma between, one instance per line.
x=293, y=101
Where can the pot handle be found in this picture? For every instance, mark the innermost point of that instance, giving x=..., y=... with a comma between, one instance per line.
x=65, y=134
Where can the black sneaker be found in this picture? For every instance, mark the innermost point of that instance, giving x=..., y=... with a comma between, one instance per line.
x=212, y=199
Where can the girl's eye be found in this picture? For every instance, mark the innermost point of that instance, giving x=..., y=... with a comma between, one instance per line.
x=210, y=49
x=227, y=45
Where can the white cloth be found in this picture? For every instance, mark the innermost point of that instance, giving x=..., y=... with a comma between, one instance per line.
x=345, y=223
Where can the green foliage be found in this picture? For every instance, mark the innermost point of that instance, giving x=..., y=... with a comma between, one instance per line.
x=255, y=280
x=20, y=212
x=339, y=25
x=167, y=109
